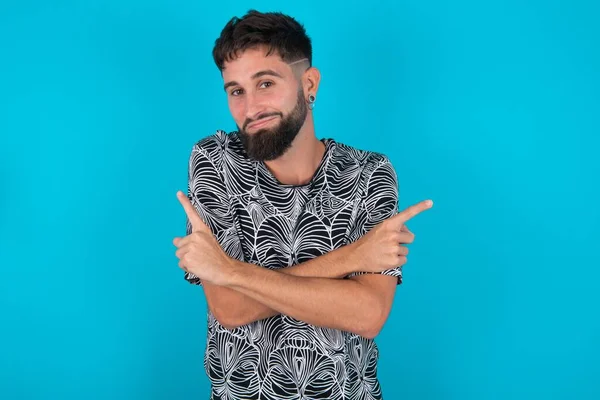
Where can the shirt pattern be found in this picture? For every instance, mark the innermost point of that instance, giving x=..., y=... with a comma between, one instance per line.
x=258, y=220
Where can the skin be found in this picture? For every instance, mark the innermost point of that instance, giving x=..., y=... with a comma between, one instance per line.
x=252, y=97
x=239, y=293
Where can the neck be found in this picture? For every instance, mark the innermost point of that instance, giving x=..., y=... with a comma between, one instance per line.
x=299, y=164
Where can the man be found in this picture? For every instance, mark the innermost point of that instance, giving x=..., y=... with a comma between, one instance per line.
x=295, y=240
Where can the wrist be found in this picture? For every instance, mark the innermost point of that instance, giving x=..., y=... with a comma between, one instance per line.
x=234, y=274
x=349, y=260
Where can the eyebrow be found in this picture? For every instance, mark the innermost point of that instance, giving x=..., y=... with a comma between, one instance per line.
x=255, y=76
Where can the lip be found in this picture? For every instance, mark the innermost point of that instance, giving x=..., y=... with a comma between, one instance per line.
x=260, y=123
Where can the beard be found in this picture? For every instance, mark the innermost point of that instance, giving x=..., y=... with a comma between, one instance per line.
x=269, y=144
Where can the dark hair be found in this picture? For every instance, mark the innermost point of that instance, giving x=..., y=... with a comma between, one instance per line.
x=280, y=33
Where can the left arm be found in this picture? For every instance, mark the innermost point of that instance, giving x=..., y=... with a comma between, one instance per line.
x=359, y=305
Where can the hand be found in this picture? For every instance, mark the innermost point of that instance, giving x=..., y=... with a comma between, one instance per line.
x=381, y=248
x=199, y=252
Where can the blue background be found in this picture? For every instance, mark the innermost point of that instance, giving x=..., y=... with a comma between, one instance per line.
x=489, y=108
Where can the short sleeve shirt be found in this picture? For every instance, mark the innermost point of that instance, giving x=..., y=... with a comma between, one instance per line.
x=258, y=220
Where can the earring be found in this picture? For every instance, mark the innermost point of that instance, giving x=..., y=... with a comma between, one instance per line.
x=311, y=101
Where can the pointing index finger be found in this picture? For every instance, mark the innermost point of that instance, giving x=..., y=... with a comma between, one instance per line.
x=197, y=222
x=413, y=210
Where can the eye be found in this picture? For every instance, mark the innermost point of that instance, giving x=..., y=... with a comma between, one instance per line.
x=236, y=92
x=266, y=84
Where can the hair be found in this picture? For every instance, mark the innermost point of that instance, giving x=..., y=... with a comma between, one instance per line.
x=280, y=33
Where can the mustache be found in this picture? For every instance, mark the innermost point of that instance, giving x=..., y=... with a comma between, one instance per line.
x=262, y=116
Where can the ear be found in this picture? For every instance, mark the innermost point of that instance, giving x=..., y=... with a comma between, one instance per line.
x=310, y=81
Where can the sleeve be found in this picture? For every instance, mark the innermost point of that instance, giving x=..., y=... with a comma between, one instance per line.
x=379, y=202
x=208, y=194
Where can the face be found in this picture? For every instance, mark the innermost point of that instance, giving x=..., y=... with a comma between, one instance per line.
x=267, y=102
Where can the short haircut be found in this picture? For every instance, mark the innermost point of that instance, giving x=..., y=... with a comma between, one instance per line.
x=280, y=33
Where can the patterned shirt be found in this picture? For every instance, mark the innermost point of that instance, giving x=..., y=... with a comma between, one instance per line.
x=258, y=220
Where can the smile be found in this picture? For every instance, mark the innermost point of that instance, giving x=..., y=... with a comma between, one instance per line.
x=261, y=122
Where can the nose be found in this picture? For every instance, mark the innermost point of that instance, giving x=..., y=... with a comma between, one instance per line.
x=254, y=107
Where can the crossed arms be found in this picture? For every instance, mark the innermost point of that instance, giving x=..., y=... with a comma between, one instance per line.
x=319, y=291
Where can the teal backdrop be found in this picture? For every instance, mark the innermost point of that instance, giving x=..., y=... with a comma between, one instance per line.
x=491, y=109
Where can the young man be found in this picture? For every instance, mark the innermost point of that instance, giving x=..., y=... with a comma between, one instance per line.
x=296, y=241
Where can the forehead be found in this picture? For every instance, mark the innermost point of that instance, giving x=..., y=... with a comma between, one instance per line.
x=254, y=60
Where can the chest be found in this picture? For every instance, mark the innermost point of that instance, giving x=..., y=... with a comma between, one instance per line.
x=291, y=226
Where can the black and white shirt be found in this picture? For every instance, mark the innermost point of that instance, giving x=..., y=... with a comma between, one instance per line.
x=258, y=220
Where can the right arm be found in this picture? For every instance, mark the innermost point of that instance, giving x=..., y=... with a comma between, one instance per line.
x=207, y=192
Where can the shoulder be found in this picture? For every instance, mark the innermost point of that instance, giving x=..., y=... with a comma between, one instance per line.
x=218, y=144
x=373, y=172
x=347, y=156
x=217, y=151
